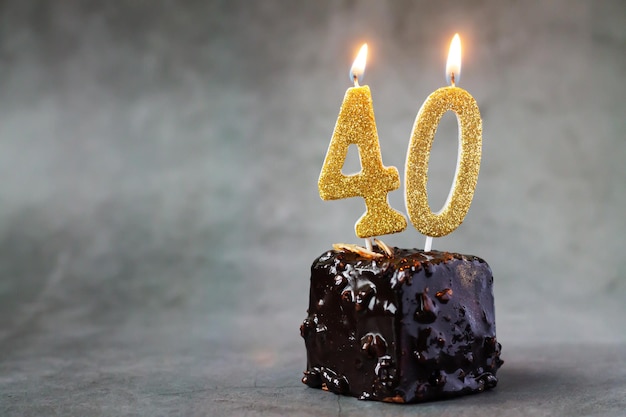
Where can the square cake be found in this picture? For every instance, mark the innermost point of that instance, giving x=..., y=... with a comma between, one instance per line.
x=401, y=325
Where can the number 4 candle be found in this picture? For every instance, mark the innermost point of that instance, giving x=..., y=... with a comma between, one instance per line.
x=401, y=325
x=356, y=125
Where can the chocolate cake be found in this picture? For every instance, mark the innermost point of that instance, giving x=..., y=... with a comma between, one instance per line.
x=402, y=326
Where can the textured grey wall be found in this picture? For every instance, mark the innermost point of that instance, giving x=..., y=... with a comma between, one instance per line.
x=159, y=162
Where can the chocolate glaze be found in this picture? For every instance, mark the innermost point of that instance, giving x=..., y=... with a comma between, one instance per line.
x=410, y=327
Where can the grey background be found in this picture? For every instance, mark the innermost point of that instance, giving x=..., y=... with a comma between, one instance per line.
x=159, y=208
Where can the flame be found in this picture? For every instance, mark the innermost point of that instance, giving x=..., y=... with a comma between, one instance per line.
x=453, y=66
x=358, y=67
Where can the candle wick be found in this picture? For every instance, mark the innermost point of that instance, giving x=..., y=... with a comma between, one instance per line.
x=452, y=83
x=356, y=80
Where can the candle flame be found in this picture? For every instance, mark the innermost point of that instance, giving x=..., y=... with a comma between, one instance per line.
x=358, y=67
x=453, y=66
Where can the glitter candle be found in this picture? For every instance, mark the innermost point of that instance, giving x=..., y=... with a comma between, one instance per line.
x=356, y=125
x=451, y=98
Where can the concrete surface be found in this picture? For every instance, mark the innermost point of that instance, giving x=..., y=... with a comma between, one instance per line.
x=159, y=209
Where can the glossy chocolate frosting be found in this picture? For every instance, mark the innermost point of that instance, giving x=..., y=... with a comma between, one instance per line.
x=408, y=327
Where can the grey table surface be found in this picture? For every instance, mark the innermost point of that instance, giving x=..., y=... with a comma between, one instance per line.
x=159, y=209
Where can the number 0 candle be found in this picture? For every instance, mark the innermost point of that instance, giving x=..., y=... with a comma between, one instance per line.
x=451, y=98
x=356, y=125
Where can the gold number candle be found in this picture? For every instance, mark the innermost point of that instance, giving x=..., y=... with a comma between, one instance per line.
x=460, y=197
x=356, y=125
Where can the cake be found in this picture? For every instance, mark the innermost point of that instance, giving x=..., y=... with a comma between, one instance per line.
x=400, y=325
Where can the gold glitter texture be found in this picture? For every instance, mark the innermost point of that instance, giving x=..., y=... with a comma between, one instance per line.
x=468, y=164
x=356, y=125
